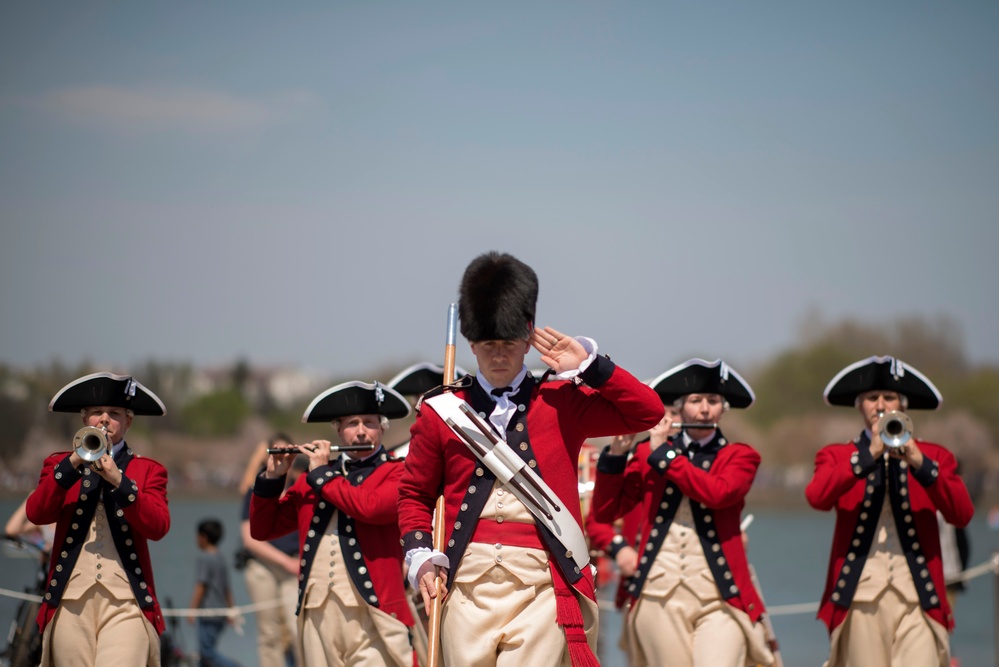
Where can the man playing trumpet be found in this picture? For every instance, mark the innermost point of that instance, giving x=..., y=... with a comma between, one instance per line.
x=884, y=600
x=353, y=611
x=100, y=604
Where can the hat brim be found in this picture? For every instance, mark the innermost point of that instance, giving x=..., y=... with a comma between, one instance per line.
x=421, y=378
x=697, y=376
x=356, y=398
x=107, y=389
x=882, y=374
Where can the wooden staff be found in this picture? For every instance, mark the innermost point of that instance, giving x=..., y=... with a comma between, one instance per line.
x=434, y=629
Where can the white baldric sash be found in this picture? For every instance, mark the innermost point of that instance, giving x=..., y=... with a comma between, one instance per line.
x=506, y=465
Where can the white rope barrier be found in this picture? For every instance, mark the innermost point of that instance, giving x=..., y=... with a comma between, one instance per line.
x=226, y=611
x=977, y=571
x=791, y=609
x=988, y=567
x=213, y=612
x=27, y=597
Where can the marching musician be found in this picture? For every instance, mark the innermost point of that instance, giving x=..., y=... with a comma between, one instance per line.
x=619, y=540
x=100, y=606
x=270, y=568
x=518, y=584
x=694, y=602
x=885, y=598
x=353, y=612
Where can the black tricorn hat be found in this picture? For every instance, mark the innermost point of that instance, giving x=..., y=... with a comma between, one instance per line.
x=421, y=378
x=697, y=376
x=497, y=298
x=356, y=398
x=97, y=389
x=882, y=374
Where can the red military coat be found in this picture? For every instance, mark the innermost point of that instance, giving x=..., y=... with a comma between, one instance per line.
x=606, y=537
x=716, y=481
x=367, y=497
x=841, y=481
x=68, y=497
x=552, y=421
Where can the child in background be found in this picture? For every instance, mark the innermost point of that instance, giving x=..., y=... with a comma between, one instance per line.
x=211, y=591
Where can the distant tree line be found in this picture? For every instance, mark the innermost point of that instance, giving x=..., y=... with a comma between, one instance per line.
x=220, y=411
x=788, y=423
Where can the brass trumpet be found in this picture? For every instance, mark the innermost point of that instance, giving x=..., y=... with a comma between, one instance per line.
x=333, y=449
x=896, y=428
x=90, y=443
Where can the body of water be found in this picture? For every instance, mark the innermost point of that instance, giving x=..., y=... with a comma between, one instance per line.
x=788, y=548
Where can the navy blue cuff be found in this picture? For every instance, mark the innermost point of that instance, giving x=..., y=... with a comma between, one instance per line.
x=661, y=459
x=417, y=539
x=126, y=493
x=320, y=476
x=268, y=488
x=65, y=474
x=598, y=372
x=862, y=463
x=611, y=464
x=927, y=473
x=615, y=546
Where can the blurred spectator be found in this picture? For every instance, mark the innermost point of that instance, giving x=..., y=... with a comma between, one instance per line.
x=18, y=525
x=271, y=568
x=211, y=591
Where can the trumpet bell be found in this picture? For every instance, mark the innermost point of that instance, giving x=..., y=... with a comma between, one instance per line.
x=90, y=443
x=896, y=429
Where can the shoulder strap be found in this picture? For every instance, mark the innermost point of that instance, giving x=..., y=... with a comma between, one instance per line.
x=511, y=470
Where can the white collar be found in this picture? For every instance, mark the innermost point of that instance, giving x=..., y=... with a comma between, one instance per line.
x=688, y=441
x=515, y=385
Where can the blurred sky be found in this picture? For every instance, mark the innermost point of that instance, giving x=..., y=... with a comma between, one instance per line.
x=304, y=182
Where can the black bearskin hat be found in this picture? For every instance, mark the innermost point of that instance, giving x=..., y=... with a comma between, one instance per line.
x=497, y=298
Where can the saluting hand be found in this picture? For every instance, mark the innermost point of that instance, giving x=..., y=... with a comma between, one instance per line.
x=558, y=351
